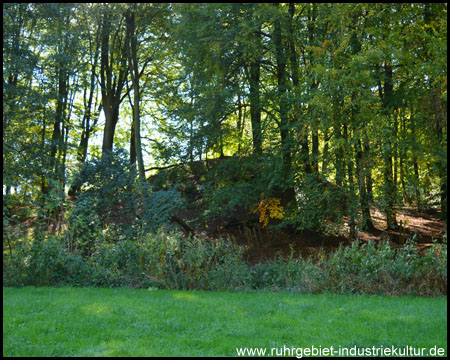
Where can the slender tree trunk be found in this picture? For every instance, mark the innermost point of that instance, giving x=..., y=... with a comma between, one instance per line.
x=132, y=141
x=313, y=86
x=395, y=152
x=239, y=124
x=389, y=185
x=368, y=169
x=133, y=63
x=367, y=223
x=339, y=162
x=325, y=153
x=416, y=178
x=315, y=151
x=417, y=183
x=57, y=139
x=111, y=83
x=352, y=194
x=293, y=59
x=85, y=135
x=440, y=118
x=254, y=74
x=44, y=187
x=255, y=108
x=191, y=120
x=402, y=158
x=439, y=113
x=284, y=124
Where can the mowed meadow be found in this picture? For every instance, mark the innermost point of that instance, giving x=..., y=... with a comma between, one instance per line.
x=147, y=322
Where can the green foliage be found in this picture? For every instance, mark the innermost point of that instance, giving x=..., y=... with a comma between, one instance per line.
x=114, y=206
x=193, y=262
x=240, y=183
x=365, y=268
x=159, y=207
x=45, y=262
x=107, y=179
x=169, y=260
x=115, y=264
x=106, y=199
x=304, y=95
x=319, y=203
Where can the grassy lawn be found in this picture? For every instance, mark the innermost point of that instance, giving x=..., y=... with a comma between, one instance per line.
x=128, y=322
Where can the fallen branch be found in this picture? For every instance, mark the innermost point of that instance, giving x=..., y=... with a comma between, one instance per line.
x=189, y=230
x=163, y=167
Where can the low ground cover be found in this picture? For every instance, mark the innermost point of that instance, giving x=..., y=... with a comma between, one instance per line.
x=68, y=321
x=170, y=261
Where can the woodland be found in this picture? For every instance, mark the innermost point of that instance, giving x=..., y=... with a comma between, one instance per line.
x=214, y=145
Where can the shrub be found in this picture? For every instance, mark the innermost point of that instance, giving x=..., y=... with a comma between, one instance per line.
x=368, y=269
x=45, y=262
x=193, y=262
x=114, y=206
x=318, y=203
x=106, y=198
x=159, y=207
x=169, y=260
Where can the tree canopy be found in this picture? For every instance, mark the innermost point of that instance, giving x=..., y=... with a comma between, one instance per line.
x=318, y=110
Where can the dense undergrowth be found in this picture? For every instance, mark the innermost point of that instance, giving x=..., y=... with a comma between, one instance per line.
x=116, y=233
x=169, y=260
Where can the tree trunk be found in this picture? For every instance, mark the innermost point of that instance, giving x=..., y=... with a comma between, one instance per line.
x=239, y=124
x=57, y=139
x=351, y=206
x=325, y=154
x=284, y=123
x=389, y=186
x=368, y=170
x=339, y=162
x=135, y=77
x=313, y=86
x=402, y=158
x=110, y=82
x=367, y=223
x=111, y=117
x=255, y=108
x=254, y=74
x=133, y=141
x=293, y=58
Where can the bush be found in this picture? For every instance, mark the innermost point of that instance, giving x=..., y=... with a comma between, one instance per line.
x=367, y=269
x=193, y=262
x=45, y=262
x=114, y=205
x=159, y=207
x=169, y=260
x=107, y=198
x=319, y=203
x=240, y=186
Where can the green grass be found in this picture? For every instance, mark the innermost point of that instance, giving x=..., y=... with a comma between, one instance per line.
x=128, y=322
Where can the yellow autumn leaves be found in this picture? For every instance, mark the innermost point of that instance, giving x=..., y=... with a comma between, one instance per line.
x=269, y=208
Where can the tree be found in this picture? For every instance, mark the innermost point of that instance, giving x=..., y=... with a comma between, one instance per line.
x=326, y=103
x=113, y=68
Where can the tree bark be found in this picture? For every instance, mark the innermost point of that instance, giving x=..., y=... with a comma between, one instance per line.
x=293, y=59
x=254, y=74
x=135, y=77
x=111, y=85
x=389, y=186
x=284, y=123
x=367, y=223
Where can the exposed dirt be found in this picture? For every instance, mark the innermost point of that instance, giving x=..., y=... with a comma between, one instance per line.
x=244, y=228
x=263, y=243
